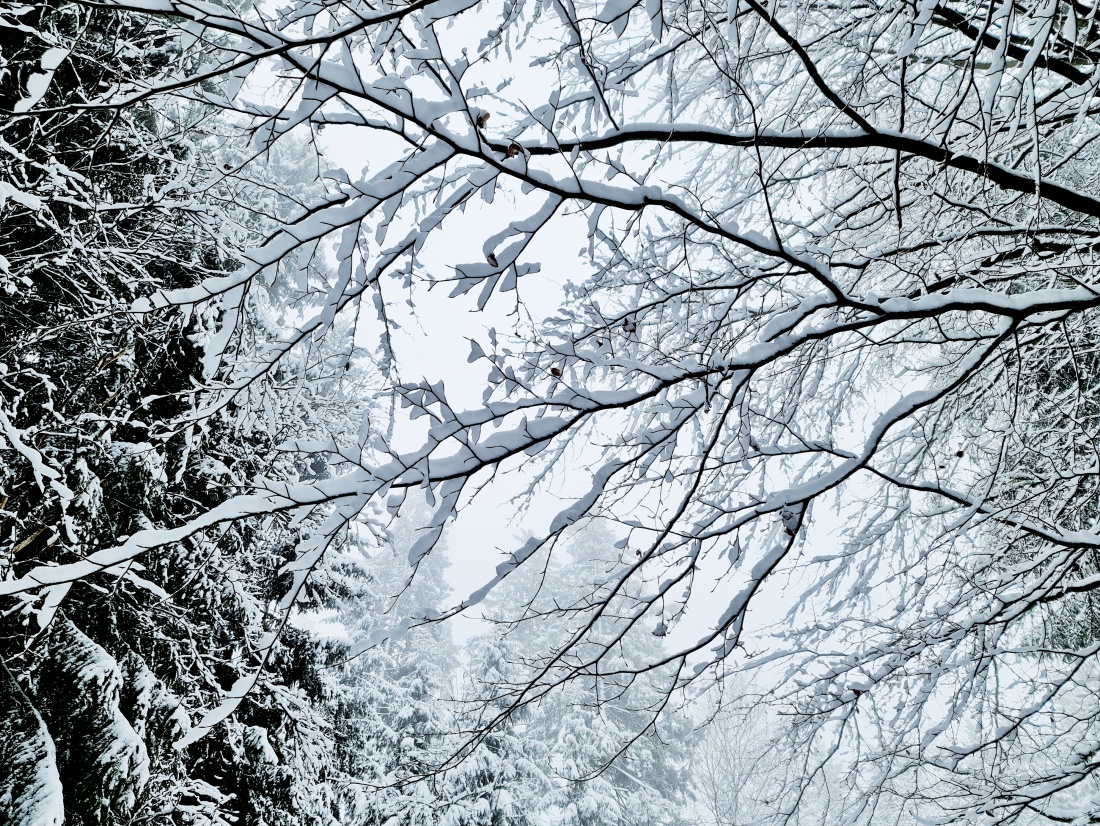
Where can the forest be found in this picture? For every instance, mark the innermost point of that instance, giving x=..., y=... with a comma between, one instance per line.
x=549, y=412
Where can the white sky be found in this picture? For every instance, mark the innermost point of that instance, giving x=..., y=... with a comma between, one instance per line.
x=434, y=344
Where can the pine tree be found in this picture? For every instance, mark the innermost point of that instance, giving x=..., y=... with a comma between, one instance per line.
x=599, y=756
x=30, y=786
x=388, y=703
x=503, y=779
x=615, y=763
x=100, y=439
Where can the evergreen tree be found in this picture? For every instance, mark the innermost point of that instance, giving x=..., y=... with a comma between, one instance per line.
x=502, y=780
x=102, y=435
x=593, y=743
x=388, y=703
